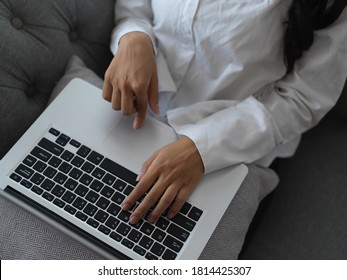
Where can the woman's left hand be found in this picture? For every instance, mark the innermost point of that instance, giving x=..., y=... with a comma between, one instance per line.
x=169, y=176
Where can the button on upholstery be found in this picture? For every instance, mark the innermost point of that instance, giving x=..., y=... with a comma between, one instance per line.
x=17, y=23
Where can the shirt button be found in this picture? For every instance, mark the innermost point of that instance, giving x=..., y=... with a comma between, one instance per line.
x=17, y=23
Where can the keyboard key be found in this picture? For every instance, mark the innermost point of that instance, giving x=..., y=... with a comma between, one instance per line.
x=50, y=172
x=81, y=216
x=63, y=140
x=90, y=209
x=109, y=179
x=118, y=171
x=184, y=222
x=135, y=235
x=95, y=157
x=77, y=161
x=112, y=222
x=54, y=131
x=185, y=208
x=59, y=203
x=104, y=230
x=159, y=235
x=71, y=184
x=157, y=249
x=37, y=190
x=65, y=167
x=70, y=209
x=88, y=167
x=139, y=250
x=128, y=190
x=24, y=171
x=101, y=216
x=118, y=198
x=92, y=196
x=178, y=232
x=162, y=223
x=60, y=178
x=40, y=166
x=58, y=191
x=107, y=191
x=54, y=161
x=147, y=228
x=102, y=202
x=113, y=209
x=26, y=183
x=169, y=255
x=15, y=177
x=173, y=243
x=123, y=229
x=81, y=190
x=75, y=143
x=41, y=154
x=86, y=179
x=119, y=185
x=79, y=203
x=96, y=185
x=47, y=184
x=68, y=197
x=93, y=223
x=37, y=179
x=146, y=242
x=51, y=147
x=29, y=160
x=67, y=155
x=127, y=243
x=195, y=213
x=83, y=151
x=48, y=196
x=124, y=216
x=151, y=256
x=75, y=173
x=116, y=236
x=98, y=173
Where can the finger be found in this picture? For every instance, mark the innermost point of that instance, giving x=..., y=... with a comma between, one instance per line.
x=150, y=199
x=153, y=96
x=179, y=201
x=141, y=110
x=116, y=100
x=127, y=102
x=146, y=165
x=165, y=201
x=107, y=91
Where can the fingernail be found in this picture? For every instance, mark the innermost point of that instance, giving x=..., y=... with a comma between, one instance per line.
x=138, y=178
x=125, y=206
x=151, y=219
x=133, y=219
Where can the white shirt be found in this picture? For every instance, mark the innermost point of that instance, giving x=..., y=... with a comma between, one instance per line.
x=222, y=78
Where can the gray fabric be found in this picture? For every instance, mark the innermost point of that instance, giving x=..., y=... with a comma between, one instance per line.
x=24, y=236
x=306, y=217
x=36, y=40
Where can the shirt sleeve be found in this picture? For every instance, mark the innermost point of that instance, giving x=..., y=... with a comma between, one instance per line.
x=229, y=132
x=132, y=16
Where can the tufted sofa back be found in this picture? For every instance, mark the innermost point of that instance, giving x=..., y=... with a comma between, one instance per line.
x=37, y=38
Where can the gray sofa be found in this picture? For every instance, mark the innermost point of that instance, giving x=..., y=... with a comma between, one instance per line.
x=304, y=218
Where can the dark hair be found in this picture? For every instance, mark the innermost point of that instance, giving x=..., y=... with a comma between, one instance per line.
x=304, y=17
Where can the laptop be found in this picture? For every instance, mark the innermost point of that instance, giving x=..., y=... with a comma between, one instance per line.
x=77, y=162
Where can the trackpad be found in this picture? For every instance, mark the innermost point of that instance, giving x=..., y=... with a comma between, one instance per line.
x=139, y=144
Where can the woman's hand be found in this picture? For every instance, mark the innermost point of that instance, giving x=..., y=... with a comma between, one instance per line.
x=131, y=81
x=169, y=176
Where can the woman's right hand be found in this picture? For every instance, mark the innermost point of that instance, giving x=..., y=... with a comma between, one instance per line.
x=131, y=81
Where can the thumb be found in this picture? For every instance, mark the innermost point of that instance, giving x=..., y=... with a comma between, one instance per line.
x=153, y=96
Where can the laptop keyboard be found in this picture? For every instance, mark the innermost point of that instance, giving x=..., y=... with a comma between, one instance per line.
x=91, y=187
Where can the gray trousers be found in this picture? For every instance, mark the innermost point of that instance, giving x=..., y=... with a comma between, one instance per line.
x=23, y=236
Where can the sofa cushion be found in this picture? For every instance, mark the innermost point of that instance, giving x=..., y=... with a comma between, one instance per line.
x=37, y=39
